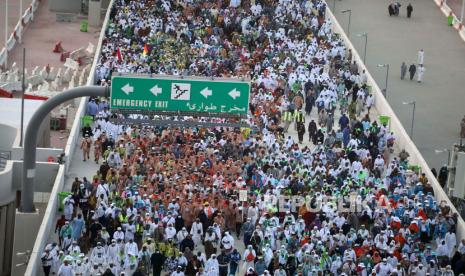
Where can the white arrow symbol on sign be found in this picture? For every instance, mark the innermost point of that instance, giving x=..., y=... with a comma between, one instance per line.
x=234, y=93
x=206, y=92
x=155, y=90
x=127, y=89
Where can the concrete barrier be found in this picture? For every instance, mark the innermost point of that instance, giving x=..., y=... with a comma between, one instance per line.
x=403, y=140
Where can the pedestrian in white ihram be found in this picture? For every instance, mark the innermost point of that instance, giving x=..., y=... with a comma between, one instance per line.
x=421, y=57
x=421, y=71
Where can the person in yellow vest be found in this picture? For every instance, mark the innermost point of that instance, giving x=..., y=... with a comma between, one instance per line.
x=287, y=119
x=298, y=117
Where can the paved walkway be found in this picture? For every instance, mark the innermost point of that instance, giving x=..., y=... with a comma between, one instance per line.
x=441, y=97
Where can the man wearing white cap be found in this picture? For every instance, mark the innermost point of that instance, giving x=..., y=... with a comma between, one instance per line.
x=182, y=234
x=451, y=242
x=130, y=230
x=79, y=269
x=47, y=259
x=421, y=270
x=197, y=232
x=170, y=232
x=98, y=249
x=130, y=264
x=383, y=268
x=118, y=235
x=131, y=247
x=66, y=269
x=99, y=260
x=112, y=252
x=68, y=203
x=361, y=269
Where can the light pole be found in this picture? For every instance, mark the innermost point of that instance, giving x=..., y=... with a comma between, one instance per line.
x=413, y=116
x=334, y=6
x=365, y=48
x=350, y=15
x=387, y=77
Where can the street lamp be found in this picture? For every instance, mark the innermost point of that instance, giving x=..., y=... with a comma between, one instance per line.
x=364, y=49
x=387, y=77
x=413, y=116
x=350, y=15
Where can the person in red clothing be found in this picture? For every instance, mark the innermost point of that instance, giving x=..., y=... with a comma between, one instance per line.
x=400, y=239
x=414, y=227
x=395, y=223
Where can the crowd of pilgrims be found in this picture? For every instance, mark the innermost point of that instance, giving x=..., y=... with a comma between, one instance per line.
x=223, y=201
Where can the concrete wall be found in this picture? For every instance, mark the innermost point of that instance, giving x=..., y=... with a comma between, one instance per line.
x=10, y=138
x=403, y=140
x=10, y=179
x=45, y=176
x=42, y=154
x=24, y=240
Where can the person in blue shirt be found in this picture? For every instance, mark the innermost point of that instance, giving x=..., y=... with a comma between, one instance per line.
x=92, y=108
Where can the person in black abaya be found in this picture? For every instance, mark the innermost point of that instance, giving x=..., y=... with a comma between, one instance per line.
x=157, y=259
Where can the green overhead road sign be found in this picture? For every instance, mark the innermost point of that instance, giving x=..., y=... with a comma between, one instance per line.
x=183, y=95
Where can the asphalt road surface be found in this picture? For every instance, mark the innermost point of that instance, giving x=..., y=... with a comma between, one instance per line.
x=440, y=98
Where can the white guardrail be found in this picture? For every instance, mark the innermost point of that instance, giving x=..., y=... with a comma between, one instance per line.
x=403, y=140
x=48, y=221
x=28, y=16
